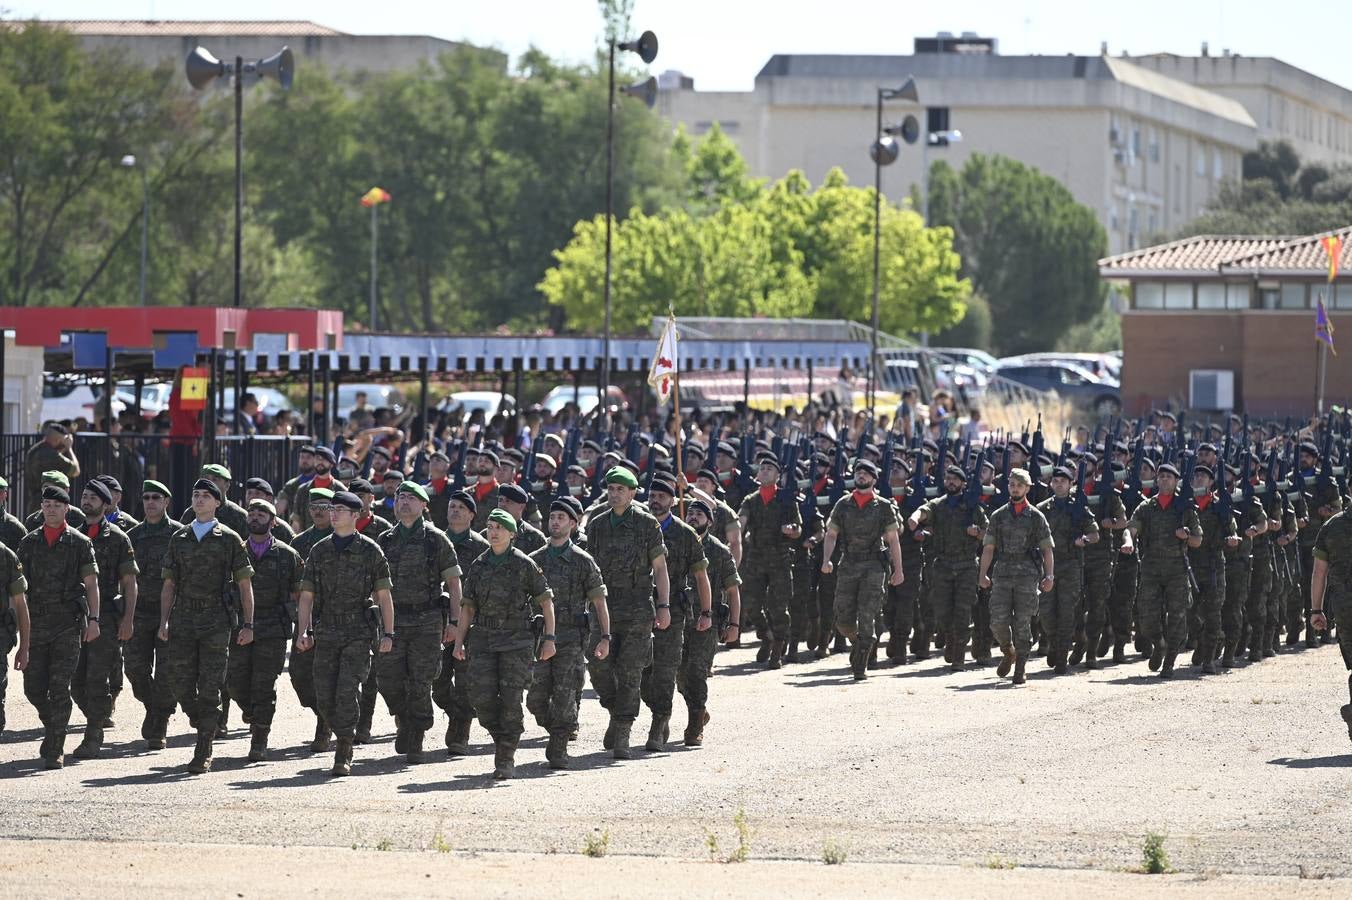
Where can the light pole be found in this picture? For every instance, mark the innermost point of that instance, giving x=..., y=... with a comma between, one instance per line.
x=129, y=162
x=203, y=68
x=646, y=48
x=884, y=151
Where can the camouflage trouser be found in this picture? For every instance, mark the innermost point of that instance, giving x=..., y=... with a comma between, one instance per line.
x=803, y=606
x=1013, y=601
x=90, y=687
x=1057, y=608
x=497, y=681
x=900, y=604
x=193, y=672
x=1205, y=617
x=658, y=684
x=552, y=698
x=952, y=593
x=618, y=678
x=1098, y=590
x=697, y=657
x=1122, y=601
x=301, y=667
x=1162, y=601
x=1279, y=590
x=1236, y=595
x=139, y=656
x=1298, y=600
x=1260, y=586
x=405, y=675
x=251, y=676
x=1342, y=612
x=767, y=588
x=52, y=657
x=981, y=624
x=450, y=689
x=859, y=598
x=6, y=645
x=342, y=660
x=826, y=602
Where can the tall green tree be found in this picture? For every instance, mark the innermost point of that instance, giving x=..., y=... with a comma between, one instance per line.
x=1027, y=246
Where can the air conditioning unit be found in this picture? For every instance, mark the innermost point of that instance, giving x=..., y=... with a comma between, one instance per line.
x=1211, y=389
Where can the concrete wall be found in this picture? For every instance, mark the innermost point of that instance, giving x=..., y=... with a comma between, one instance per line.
x=22, y=405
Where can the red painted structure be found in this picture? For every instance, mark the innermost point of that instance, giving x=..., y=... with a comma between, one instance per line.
x=135, y=328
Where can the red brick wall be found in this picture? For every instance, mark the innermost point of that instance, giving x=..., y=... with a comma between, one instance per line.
x=1272, y=353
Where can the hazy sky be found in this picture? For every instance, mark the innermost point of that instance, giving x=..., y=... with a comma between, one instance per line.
x=723, y=43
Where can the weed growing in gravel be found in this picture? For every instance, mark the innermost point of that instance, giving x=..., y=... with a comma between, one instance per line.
x=596, y=845
x=1154, y=859
x=833, y=854
x=384, y=844
x=439, y=843
x=743, y=850
x=999, y=862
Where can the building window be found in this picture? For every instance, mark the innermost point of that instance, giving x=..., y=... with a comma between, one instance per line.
x=1217, y=170
x=1133, y=222
x=1135, y=142
x=1178, y=187
x=1339, y=296
x=1178, y=295
x=936, y=118
x=1154, y=145
x=1237, y=296
x=1210, y=296
x=1293, y=295
x=1201, y=160
x=1154, y=223
x=1148, y=295
x=1268, y=297
x=1112, y=218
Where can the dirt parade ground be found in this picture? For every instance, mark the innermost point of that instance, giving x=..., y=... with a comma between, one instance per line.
x=923, y=781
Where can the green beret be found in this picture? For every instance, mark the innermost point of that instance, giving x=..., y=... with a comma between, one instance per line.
x=4, y=485
x=320, y=494
x=154, y=487
x=215, y=470
x=503, y=518
x=51, y=476
x=410, y=487
x=621, y=475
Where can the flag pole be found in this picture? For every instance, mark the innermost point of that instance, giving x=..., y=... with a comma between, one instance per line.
x=375, y=237
x=676, y=399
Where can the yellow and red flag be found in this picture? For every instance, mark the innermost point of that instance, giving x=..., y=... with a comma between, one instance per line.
x=374, y=197
x=1333, y=246
x=193, y=389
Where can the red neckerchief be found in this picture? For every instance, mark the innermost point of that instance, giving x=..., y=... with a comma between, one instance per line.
x=767, y=493
x=1018, y=506
x=362, y=523
x=53, y=534
x=1089, y=487
x=1203, y=503
x=1164, y=500
x=92, y=531
x=862, y=498
x=820, y=485
x=482, y=489
x=438, y=485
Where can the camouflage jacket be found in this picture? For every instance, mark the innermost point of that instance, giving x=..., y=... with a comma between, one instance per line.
x=421, y=559
x=685, y=557
x=151, y=543
x=503, y=592
x=1214, y=532
x=624, y=548
x=204, y=571
x=1154, y=528
x=762, y=540
x=469, y=546
x=1017, y=539
x=306, y=540
x=1333, y=545
x=56, y=576
x=862, y=530
x=575, y=580
x=1066, y=531
x=948, y=523
x=276, y=581
x=343, y=583
x=115, y=557
x=12, y=530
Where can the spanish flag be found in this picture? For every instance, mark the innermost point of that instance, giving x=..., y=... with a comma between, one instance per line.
x=193, y=390
x=1333, y=246
x=374, y=197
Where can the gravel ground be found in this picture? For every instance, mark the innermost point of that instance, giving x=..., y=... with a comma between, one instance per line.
x=1246, y=773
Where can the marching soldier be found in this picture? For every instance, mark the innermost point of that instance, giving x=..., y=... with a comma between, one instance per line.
x=286, y=501
x=770, y=528
x=1208, y=566
x=12, y=528
x=1160, y=530
x=150, y=542
x=230, y=514
x=318, y=501
x=14, y=625
x=1322, y=501
x=514, y=499
x=485, y=488
x=1239, y=562
x=1071, y=532
x=1332, y=571
x=697, y=656
x=438, y=487
x=1017, y=532
x=1099, y=560
x=324, y=462
x=261, y=489
x=953, y=541
x=450, y=689
x=114, y=510
x=74, y=518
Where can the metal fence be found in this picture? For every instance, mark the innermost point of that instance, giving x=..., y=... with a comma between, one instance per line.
x=131, y=458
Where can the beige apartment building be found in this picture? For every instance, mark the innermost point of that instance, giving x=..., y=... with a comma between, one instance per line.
x=1144, y=150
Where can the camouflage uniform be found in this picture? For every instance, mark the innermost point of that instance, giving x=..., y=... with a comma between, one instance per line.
x=575, y=580
x=253, y=669
x=291, y=492
x=767, y=564
x=685, y=557
x=1239, y=565
x=1208, y=567
x=74, y=518
x=373, y=528
x=91, y=686
x=300, y=509
x=1324, y=493
x=624, y=548
x=859, y=581
x=485, y=501
x=1122, y=600
x=282, y=531
x=1333, y=545
x=1163, y=595
x=528, y=538
x=1057, y=608
x=43, y=457
x=1261, y=579
x=421, y=559
x=1017, y=538
x=503, y=590
x=343, y=583
x=12, y=530
x=902, y=606
x=197, y=652
x=450, y=688
x=1100, y=562
x=301, y=666
x=14, y=583
x=143, y=653
x=953, y=568
x=229, y=513
x=697, y=657
x=438, y=502
x=805, y=625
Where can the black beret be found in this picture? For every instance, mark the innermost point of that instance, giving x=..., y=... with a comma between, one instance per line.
x=307, y=448
x=871, y=448
x=956, y=472
x=382, y=451
x=769, y=459
x=112, y=483
x=1208, y=446
x=627, y=464
x=326, y=453
x=1064, y=472
x=1203, y=470
x=392, y=475
x=707, y=473
x=489, y=454
x=1308, y=447
x=663, y=485
x=54, y=492
x=259, y=484
x=1090, y=458
x=568, y=506
x=591, y=445
x=1120, y=447
x=466, y=499
x=577, y=470
x=347, y=500
x=513, y=492
x=694, y=446
x=98, y=488
x=1168, y=468
x=701, y=506
x=1016, y=445
x=726, y=447
x=360, y=486
x=206, y=484
x=1169, y=417
x=866, y=465
x=515, y=456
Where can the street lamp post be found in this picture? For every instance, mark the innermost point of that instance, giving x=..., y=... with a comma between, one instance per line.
x=646, y=48
x=129, y=162
x=884, y=151
x=203, y=68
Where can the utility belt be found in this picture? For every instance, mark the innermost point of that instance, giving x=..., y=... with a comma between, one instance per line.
x=361, y=617
x=861, y=556
x=416, y=609
x=501, y=622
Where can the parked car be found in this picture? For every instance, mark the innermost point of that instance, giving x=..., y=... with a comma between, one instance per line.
x=377, y=395
x=67, y=398
x=1104, y=366
x=962, y=380
x=1069, y=381
x=270, y=400
x=969, y=356
x=490, y=402
x=586, y=395
x=154, y=397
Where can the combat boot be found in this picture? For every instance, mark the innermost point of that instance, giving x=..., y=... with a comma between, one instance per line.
x=1105, y=642
x=1347, y=709
x=201, y=759
x=108, y=719
x=1077, y=652
x=400, y=739
x=791, y=654
x=1059, y=662
x=556, y=752
x=697, y=718
x=1255, y=653
x=1167, y=670
x=53, y=749
x=920, y=644
x=823, y=648
x=1199, y=653
x=812, y=635
x=155, y=735
x=859, y=661
x=658, y=733
x=959, y=655
x=839, y=646
x=620, y=744
x=1311, y=638
x=894, y=645
x=457, y=738
x=871, y=655
x=342, y=757
x=223, y=721
x=322, y=734
x=981, y=651
x=1007, y=662
x=1091, y=658
x=1209, y=664
x=948, y=647
x=89, y=747
x=504, y=759
x=1228, y=655
x=1119, y=651
x=776, y=657
x=258, y=746
x=763, y=651
x=414, y=746
x=1270, y=646
x=608, y=742
x=1157, y=657
x=363, y=734
x=1020, y=664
